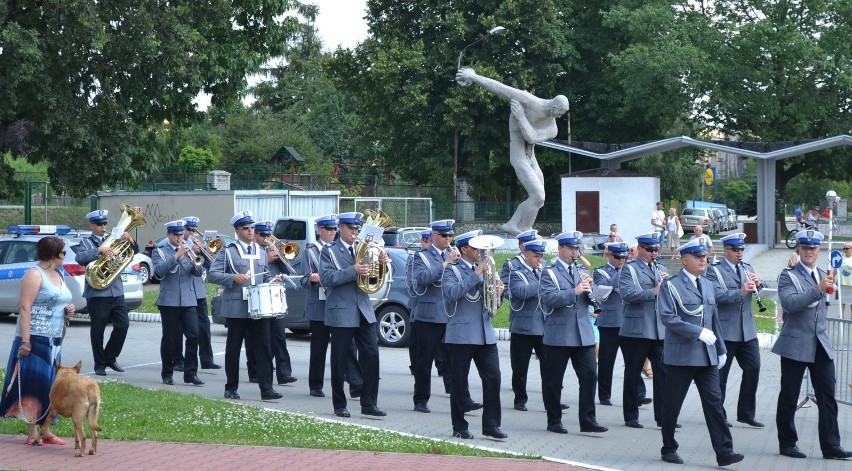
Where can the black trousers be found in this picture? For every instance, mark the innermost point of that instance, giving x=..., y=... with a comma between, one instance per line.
x=255, y=333
x=635, y=350
x=412, y=344
x=678, y=380
x=487, y=362
x=430, y=346
x=521, y=347
x=607, y=354
x=823, y=380
x=320, y=337
x=101, y=312
x=367, y=345
x=583, y=361
x=184, y=320
x=205, y=345
x=748, y=357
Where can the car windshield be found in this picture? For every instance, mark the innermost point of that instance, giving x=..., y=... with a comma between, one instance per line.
x=694, y=212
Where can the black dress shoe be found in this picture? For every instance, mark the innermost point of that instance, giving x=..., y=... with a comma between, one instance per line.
x=286, y=380
x=494, y=432
x=317, y=393
x=168, y=380
x=606, y=402
x=751, y=422
x=115, y=366
x=564, y=406
x=557, y=428
x=211, y=366
x=231, y=394
x=472, y=406
x=645, y=401
x=193, y=380
x=728, y=423
x=729, y=458
x=271, y=395
x=421, y=408
x=633, y=424
x=342, y=412
x=836, y=453
x=793, y=452
x=355, y=392
x=253, y=379
x=521, y=407
x=178, y=367
x=463, y=434
x=594, y=428
x=672, y=457
x=660, y=424
x=100, y=371
x=374, y=411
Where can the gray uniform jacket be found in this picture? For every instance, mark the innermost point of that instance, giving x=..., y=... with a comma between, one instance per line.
x=314, y=306
x=177, y=278
x=427, y=270
x=612, y=310
x=734, y=309
x=566, y=315
x=87, y=254
x=685, y=312
x=525, y=312
x=345, y=303
x=636, y=286
x=509, y=266
x=804, y=316
x=469, y=322
x=229, y=262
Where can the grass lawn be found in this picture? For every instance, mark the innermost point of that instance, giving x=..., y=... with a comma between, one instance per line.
x=133, y=413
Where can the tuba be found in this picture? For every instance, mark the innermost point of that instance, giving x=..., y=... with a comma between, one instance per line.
x=102, y=272
x=379, y=277
x=491, y=284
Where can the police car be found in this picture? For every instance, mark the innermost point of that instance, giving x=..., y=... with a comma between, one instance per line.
x=18, y=254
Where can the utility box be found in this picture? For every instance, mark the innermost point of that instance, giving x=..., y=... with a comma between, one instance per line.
x=750, y=230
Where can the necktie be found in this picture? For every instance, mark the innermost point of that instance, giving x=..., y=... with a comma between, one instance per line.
x=813, y=275
x=739, y=273
x=698, y=285
x=248, y=249
x=444, y=255
x=351, y=252
x=570, y=272
x=537, y=272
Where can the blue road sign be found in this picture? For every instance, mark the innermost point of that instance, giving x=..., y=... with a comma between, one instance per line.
x=836, y=259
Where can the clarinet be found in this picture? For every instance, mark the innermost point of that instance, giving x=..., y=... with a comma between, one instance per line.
x=757, y=297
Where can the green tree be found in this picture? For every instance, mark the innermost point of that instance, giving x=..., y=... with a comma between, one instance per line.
x=86, y=86
x=195, y=160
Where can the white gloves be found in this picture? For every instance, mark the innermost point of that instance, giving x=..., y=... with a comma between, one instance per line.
x=723, y=358
x=707, y=336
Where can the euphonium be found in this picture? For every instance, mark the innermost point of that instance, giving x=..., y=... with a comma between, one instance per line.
x=491, y=284
x=102, y=272
x=370, y=254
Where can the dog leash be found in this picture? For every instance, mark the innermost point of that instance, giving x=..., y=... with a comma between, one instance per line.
x=20, y=404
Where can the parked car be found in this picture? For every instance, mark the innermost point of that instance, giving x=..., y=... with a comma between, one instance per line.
x=146, y=267
x=721, y=220
x=392, y=314
x=704, y=217
x=732, y=216
x=18, y=254
x=403, y=237
x=594, y=243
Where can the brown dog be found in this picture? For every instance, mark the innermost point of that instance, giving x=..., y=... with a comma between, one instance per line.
x=77, y=397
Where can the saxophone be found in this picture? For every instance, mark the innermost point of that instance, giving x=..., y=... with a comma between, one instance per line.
x=102, y=272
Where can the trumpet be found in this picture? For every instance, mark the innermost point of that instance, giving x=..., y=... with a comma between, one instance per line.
x=195, y=259
x=285, y=252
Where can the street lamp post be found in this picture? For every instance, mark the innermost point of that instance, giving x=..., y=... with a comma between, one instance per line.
x=493, y=31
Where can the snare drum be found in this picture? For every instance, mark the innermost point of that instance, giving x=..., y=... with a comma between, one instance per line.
x=267, y=300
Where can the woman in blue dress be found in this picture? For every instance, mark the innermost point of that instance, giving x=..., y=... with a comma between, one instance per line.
x=44, y=308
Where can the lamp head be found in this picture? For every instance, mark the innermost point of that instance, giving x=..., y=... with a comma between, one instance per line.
x=496, y=30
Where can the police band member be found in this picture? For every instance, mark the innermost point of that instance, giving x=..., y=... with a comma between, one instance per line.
x=516, y=261
x=641, y=333
x=470, y=336
x=175, y=267
x=237, y=267
x=326, y=232
x=350, y=316
x=734, y=285
x=526, y=318
x=568, y=335
x=277, y=328
x=694, y=352
x=803, y=344
x=106, y=306
x=425, y=243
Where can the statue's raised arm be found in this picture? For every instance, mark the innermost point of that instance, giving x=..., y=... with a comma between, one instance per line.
x=467, y=76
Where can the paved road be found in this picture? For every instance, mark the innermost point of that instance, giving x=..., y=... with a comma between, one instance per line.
x=620, y=448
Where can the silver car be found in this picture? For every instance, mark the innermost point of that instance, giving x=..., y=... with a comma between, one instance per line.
x=18, y=254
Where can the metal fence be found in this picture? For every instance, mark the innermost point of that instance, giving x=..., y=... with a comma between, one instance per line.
x=840, y=331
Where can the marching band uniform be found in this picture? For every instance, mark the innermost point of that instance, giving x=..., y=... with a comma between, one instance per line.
x=693, y=352
x=513, y=263
x=425, y=243
x=177, y=302
x=240, y=259
x=568, y=335
x=526, y=322
x=803, y=344
x=349, y=314
x=470, y=336
x=104, y=305
x=641, y=333
x=738, y=329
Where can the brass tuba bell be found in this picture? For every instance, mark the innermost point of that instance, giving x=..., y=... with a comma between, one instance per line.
x=102, y=272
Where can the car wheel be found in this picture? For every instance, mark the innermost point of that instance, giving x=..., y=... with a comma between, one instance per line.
x=392, y=325
x=144, y=273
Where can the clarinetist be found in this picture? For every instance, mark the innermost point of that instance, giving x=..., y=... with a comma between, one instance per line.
x=735, y=284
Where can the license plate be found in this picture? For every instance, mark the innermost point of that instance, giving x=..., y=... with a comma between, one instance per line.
x=123, y=277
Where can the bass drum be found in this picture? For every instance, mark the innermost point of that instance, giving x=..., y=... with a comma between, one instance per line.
x=381, y=295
